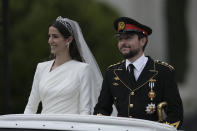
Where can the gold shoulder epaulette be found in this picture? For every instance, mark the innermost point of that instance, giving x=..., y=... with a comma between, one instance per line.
x=164, y=64
x=116, y=63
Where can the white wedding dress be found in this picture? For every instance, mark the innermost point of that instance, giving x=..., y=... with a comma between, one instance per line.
x=64, y=90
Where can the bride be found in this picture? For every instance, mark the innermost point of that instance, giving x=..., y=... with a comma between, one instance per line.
x=71, y=81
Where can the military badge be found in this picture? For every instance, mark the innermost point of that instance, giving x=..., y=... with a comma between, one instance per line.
x=150, y=109
x=151, y=93
x=121, y=25
x=152, y=83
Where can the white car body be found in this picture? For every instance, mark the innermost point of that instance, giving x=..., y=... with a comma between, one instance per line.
x=23, y=122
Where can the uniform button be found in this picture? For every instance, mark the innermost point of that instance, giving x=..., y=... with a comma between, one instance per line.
x=131, y=105
x=132, y=93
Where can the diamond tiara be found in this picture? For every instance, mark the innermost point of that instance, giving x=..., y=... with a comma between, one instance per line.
x=66, y=23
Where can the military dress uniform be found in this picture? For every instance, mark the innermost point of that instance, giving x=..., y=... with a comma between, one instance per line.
x=140, y=99
x=155, y=84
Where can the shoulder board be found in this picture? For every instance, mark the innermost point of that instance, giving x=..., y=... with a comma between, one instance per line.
x=116, y=64
x=164, y=64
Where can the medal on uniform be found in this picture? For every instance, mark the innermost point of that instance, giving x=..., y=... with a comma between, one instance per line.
x=151, y=93
x=150, y=109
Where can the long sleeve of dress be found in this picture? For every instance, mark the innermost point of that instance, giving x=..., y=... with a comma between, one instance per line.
x=86, y=83
x=34, y=98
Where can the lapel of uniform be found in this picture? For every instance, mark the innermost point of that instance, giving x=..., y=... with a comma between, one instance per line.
x=148, y=72
x=121, y=73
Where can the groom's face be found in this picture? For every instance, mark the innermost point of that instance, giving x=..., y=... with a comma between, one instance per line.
x=129, y=45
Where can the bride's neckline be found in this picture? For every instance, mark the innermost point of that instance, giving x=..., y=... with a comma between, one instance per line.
x=53, y=62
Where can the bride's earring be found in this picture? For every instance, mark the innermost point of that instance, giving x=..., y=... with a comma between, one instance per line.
x=67, y=44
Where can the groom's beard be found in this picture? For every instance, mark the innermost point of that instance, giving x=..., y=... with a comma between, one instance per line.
x=131, y=54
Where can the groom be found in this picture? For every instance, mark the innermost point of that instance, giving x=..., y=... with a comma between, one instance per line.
x=138, y=84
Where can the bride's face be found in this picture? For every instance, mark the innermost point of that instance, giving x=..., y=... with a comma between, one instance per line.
x=57, y=42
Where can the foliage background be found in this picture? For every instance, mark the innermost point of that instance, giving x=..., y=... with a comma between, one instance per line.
x=28, y=40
